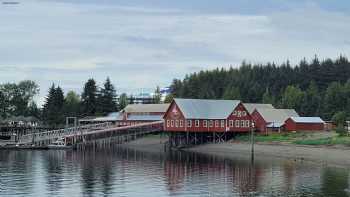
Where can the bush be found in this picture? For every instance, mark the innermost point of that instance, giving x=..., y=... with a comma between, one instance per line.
x=341, y=130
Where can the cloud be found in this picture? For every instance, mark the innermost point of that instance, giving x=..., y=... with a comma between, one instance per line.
x=141, y=46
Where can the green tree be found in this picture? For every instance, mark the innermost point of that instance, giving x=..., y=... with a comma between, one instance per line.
x=267, y=97
x=33, y=110
x=72, y=104
x=169, y=98
x=334, y=100
x=107, y=98
x=53, y=107
x=88, y=97
x=231, y=93
x=123, y=101
x=292, y=98
x=157, y=96
x=312, y=100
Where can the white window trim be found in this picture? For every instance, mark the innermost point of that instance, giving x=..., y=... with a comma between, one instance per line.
x=234, y=113
x=237, y=123
x=205, y=123
x=247, y=122
x=244, y=113
x=222, y=124
x=176, y=123
x=167, y=123
x=211, y=123
x=196, y=122
x=172, y=123
x=231, y=123
x=189, y=123
x=181, y=123
x=242, y=123
x=216, y=123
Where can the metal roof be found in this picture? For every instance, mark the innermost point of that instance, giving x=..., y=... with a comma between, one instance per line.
x=146, y=108
x=205, y=108
x=307, y=119
x=252, y=106
x=277, y=115
x=146, y=117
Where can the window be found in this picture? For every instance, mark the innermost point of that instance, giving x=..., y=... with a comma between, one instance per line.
x=231, y=123
x=211, y=122
x=196, y=122
x=216, y=123
x=239, y=113
x=242, y=123
x=176, y=123
x=172, y=123
x=222, y=123
x=205, y=123
x=247, y=123
x=234, y=113
x=189, y=123
x=167, y=123
x=181, y=123
x=244, y=113
x=237, y=123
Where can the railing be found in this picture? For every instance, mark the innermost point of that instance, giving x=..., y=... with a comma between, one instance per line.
x=55, y=134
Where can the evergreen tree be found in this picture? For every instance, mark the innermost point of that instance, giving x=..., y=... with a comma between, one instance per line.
x=267, y=97
x=107, y=98
x=292, y=98
x=169, y=98
x=72, y=104
x=88, y=97
x=123, y=101
x=53, y=107
x=334, y=100
x=232, y=93
x=312, y=101
x=157, y=95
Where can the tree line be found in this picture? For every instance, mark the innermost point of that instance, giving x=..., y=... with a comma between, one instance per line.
x=17, y=99
x=315, y=88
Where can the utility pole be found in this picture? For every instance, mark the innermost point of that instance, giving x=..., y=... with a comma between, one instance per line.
x=252, y=140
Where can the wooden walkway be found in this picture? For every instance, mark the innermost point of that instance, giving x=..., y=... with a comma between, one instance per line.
x=92, y=133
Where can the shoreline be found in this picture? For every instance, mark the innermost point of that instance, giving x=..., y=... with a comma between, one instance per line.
x=326, y=155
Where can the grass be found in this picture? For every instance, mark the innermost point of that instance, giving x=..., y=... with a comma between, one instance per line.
x=337, y=140
x=275, y=137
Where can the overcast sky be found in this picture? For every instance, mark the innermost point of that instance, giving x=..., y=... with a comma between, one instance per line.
x=145, y=43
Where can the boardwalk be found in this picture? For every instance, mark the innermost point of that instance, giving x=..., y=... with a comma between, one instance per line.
x=87, y=134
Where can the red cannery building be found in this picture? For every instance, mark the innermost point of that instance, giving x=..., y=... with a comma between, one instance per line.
x=201, y=115
x=269, y=120
x=304, y=124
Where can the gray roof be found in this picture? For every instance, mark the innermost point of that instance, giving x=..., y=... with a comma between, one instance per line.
x=307, y=119
x=146, y=108
x=252, y=106
x=205, y=108
x=145, y=117
x=277, y=115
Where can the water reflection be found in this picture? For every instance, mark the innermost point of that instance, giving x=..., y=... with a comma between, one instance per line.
x=128, y=172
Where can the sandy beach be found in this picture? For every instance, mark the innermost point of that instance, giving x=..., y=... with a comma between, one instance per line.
x=239, y=150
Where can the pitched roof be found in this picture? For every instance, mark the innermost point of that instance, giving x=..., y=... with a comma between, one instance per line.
x=145, y=117
x=146, y=108
x=206, y=108
x=252, y=106
x=277, y=115
x=307, y=119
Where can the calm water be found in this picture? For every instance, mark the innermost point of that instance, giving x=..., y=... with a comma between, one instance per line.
x=125, y=172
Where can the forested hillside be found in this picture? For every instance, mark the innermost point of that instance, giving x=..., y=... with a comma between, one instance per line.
x=316, y=88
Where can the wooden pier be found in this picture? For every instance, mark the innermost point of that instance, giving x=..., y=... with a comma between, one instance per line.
x=101, y=134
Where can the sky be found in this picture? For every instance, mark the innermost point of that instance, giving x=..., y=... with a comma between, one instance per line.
x=147, y=43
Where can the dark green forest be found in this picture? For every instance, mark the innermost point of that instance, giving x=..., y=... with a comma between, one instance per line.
x=312, y=88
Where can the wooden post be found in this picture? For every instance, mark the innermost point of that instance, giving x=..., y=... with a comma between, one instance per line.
x=252, y=141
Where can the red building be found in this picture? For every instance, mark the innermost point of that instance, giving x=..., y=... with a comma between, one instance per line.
x=267, y=120
x=304, y=124
x=203, y=116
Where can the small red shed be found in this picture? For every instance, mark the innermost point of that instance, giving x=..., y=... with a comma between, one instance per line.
x=304, y=124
